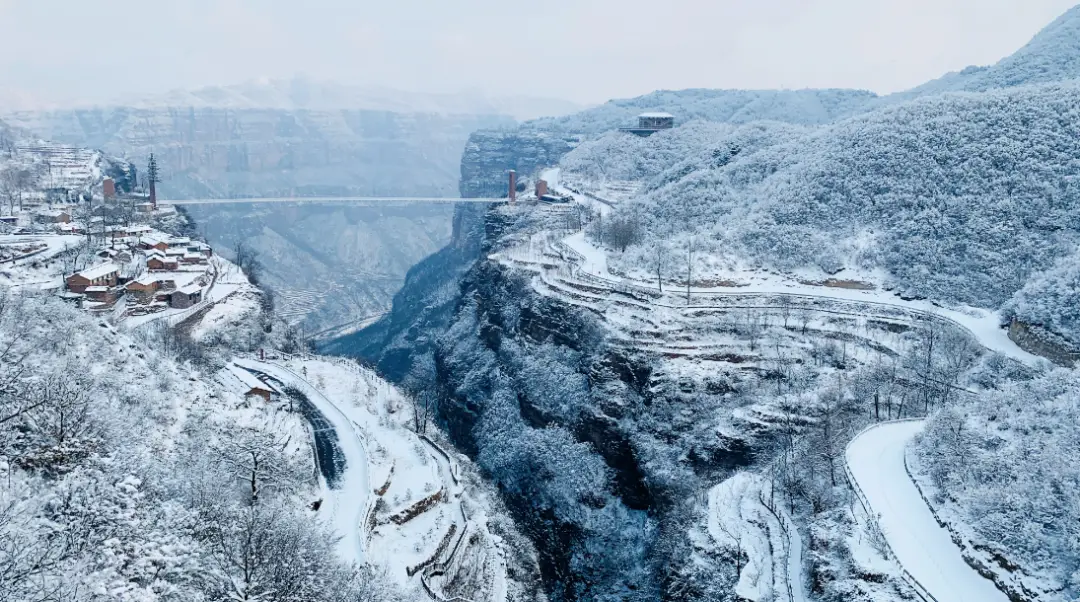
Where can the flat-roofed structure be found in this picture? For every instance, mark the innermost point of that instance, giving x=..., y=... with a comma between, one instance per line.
x=650, y=123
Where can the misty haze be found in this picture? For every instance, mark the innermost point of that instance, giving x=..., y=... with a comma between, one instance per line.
x=574, y=301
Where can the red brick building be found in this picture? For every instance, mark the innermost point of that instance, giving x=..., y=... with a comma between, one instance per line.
x=108, y=189
x=103, y=275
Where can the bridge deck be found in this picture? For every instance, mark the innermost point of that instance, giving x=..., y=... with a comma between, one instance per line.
x=331, y=199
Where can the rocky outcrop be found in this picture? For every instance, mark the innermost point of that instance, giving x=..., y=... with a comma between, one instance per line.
x=490, y=154
x=1039, y=341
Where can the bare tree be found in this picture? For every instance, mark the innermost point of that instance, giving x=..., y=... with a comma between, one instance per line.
x=689, y=266
x=782, y=365
x=267, y=553
x=831, y=433
x=29, y=557
x=660, y=262
x=785, y=303
x=420, y=382
x=9, y=188
x=61, y=408
x=247, y=260
x=752, y=325
x=805, y=317
x=257, y=457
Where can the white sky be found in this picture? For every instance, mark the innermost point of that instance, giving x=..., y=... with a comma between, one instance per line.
x=582, y=50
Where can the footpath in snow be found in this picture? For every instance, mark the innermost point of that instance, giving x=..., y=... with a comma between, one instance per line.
x=922, y=547
x=740, y=521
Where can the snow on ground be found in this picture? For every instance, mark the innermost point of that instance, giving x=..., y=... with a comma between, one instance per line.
x=921, y=546
x=740, y=522
x=378, y=413
x=591, y=264
x=228, y=311
x=381, y=417
x=347, y=504
x=39, y=271
x=593, y=259
x=983, y=324
x=551, y=176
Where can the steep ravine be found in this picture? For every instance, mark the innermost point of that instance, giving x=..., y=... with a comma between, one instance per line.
x=590, y=445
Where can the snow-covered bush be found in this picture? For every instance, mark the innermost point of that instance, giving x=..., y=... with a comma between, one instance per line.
x=958, y=197
x=1051, y=300
x=1005, y=465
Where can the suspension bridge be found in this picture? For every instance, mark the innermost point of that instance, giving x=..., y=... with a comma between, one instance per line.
x=332, y=199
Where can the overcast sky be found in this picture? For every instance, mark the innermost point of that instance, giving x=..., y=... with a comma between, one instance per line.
x=582, y=50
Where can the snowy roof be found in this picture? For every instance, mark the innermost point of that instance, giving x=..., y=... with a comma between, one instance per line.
x=97, y=289
x=250, y=381
x=657, y=115
x=140, y=229
x=98, y=271
x=190, y=289
x=146, y=280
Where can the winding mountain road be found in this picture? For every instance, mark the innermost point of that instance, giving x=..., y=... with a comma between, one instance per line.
x=351, y=496
x=875, y=459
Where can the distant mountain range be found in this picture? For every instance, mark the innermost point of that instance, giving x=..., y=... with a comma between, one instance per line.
x=302, y=94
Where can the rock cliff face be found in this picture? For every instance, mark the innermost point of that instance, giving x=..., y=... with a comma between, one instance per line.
x=330, y=264
x=489, y=154
x=210, y=152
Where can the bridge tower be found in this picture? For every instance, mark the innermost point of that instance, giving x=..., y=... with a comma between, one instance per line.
x=153, y=176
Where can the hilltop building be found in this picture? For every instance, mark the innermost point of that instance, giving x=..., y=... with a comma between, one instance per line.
x=650, y=123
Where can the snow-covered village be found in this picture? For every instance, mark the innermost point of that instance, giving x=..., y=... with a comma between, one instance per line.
x=349, y=304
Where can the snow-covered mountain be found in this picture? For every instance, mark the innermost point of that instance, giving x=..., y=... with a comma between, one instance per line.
x=956, y=198
x=805, y=107
x=566, y=353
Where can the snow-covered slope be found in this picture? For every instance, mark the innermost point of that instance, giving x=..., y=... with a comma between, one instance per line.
x=129, y=475
x=998, y=470
x=956, y=198
x=805, y=107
